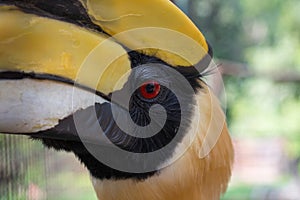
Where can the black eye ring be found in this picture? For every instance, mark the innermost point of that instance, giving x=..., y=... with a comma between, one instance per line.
x=150, y=89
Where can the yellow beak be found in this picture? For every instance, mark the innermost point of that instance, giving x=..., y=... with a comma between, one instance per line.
x=118, y=16
x=40, y=43
x=31, y=43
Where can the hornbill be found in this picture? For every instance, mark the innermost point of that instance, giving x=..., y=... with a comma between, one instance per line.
x=120, y=84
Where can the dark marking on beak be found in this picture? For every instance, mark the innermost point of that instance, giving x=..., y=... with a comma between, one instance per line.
x=71, y=11
x=14, y=75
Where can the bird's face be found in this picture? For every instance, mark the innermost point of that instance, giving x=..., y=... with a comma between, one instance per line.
x=115, y=82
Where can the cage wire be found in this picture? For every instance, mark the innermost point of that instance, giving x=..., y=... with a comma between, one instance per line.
x=22, y=168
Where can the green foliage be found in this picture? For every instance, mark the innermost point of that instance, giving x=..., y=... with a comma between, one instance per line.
x=253, y=192
x=238, y=192
x=81, y=187
x=219, y=23
x=265, y=35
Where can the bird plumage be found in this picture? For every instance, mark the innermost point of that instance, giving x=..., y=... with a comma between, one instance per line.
x=193, y=176
x=111, y=49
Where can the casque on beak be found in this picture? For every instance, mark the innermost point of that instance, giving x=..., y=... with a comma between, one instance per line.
x=44, y=77
x=39, y=61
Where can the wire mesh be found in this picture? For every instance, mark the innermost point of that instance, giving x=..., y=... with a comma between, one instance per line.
x=22, y=169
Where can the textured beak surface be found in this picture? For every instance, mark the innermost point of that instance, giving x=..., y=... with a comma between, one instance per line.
x=29, y=43
x=40, y=60
x=43, y=53
x=117, y=16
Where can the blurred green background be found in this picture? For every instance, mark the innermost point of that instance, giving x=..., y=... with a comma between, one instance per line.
x=257, y=44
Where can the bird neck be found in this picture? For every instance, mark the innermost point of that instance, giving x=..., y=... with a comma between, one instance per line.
x=201, y=173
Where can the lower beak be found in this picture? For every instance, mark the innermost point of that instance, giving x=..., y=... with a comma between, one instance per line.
x=28, y=105
x=46, y=109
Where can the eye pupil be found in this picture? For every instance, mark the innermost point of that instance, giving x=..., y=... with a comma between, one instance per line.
x=150, y=90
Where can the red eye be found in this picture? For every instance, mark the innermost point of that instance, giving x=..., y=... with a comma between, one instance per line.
x=150, y=89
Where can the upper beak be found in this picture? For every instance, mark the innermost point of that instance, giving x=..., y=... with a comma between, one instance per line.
x=41, y=62
x=174, y=39
x=51, y=69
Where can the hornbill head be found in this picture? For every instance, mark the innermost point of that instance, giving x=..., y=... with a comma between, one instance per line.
x=118, y=83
